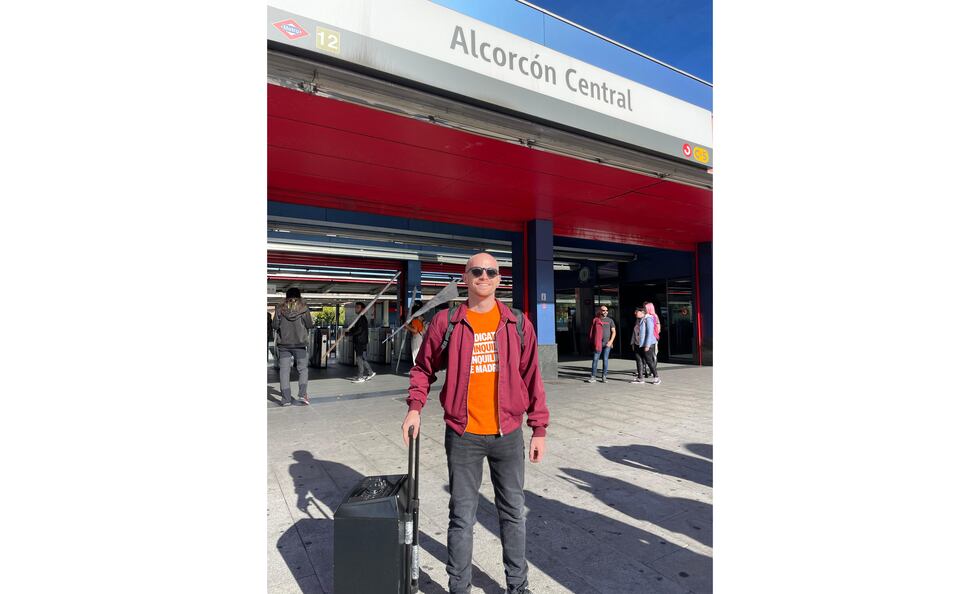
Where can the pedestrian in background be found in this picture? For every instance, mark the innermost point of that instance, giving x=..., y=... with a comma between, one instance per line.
x=292, y=323
x=652, y=311
x=359, y=336
x=601, y=335
x=642, y=343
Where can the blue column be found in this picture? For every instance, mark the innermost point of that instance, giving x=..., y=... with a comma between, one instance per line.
x=517, y=269
x=541, y=292
x=409, y=281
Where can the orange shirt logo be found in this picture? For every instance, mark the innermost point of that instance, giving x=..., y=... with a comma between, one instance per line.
x=481, y=399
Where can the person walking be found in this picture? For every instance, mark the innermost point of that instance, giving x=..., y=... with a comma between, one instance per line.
x=492, y=381
x=642, y=343
x=292, y=323
x=359, y=336
x=651, y=310
x=602, y=333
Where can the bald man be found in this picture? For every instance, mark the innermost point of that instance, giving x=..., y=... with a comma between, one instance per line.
x=492, y=381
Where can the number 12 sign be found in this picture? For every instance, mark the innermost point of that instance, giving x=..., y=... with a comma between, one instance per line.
x=327, y=40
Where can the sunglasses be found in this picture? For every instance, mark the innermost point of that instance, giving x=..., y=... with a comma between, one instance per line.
x=477, y=272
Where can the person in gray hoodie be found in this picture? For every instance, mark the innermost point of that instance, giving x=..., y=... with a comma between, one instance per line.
x=292, y=323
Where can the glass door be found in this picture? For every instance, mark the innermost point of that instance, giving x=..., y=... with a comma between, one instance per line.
x=680, y=323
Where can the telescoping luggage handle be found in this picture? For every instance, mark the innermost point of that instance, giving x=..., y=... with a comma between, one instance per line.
x=412, y=553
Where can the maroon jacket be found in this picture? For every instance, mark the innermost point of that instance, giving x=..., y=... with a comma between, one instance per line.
x=595, y=334
x=519, y=385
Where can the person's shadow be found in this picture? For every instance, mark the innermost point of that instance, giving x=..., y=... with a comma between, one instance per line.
x=647, y=457
x=685, y=516
x=320, y=486
x=585, y=551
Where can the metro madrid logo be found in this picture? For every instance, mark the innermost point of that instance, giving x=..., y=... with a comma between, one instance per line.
x=699, y=153
x=291, y=29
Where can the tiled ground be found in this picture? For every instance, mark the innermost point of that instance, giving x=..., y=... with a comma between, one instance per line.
x=621, y=502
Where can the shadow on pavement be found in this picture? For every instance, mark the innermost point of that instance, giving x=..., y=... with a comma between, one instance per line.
x=582, y=550
x=659, y=460
x=307, y=546
x=685, y=516
x=272, y=395
x=582, y=373
x=705, y=450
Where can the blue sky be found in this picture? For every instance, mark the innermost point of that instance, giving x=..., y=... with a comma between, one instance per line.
x=677, y=32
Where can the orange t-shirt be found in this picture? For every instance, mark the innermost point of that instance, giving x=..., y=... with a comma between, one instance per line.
x=481, y=399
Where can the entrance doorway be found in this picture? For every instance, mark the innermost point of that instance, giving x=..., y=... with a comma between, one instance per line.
x=680, y=323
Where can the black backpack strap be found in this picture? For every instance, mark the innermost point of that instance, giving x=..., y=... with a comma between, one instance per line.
x=450, y=326
x=520, y=326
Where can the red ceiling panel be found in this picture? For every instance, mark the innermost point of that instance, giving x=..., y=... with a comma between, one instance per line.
x=338, y=155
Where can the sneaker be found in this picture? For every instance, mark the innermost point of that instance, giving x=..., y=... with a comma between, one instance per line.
x=602, y=379
x=358, y=380
x=656, y=381
x=305, y=400
x=591, y=380
x=285, y=402
x=370, y=376
x=637, y=380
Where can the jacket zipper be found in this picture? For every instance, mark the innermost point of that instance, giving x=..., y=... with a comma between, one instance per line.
x=500, y=421
x=466, y=399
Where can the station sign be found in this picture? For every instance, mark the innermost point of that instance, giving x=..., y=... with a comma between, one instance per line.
x=421, y=41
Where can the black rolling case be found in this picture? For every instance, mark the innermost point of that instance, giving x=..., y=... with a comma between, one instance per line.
x=376, y=533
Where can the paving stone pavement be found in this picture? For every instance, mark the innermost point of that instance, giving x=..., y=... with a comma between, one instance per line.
x=621, y=503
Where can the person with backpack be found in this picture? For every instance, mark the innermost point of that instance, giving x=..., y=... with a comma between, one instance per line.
x=490, y=355
x=359, y=337
x=643, y=343
x=292, y=324
x=602, y=333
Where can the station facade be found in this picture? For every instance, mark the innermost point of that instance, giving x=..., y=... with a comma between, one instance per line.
x=403, y=136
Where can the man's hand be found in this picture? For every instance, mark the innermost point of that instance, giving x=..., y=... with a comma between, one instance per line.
x=412, y=419
x=646, y=348
x=609, y=344
x=537, y=449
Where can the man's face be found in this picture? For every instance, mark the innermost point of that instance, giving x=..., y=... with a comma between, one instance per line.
x=639, y=314
x=358, y=309
x=482, y=286
x=603, y=312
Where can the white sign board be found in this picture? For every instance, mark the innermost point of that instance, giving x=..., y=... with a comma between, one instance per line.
x=453, y=38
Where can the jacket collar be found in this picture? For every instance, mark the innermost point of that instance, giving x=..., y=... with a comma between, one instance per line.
x=505, y=312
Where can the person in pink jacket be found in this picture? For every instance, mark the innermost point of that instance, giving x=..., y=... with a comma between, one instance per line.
x=492, y=381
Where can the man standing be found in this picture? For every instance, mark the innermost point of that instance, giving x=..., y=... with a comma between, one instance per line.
x=492, y=380
x=601, y=335
x=293, y=322
x=359, y=335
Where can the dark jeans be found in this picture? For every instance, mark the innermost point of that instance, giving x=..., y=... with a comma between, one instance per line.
x=605, y=361
x=645, y=357
x=363, y=367
x=505, y=455
x=299, y=355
